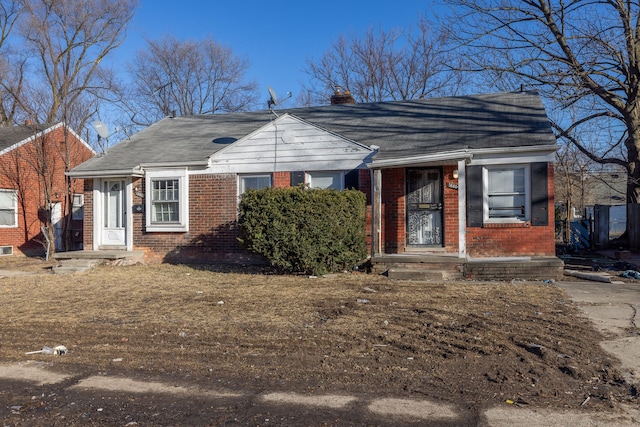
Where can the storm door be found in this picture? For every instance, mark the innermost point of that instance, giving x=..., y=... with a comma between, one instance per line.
x=424, y=207
x=113, y=230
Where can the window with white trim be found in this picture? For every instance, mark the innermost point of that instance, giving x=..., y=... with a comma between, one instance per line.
x=326, y=180
x=167, y=200
x=254, y=182
x=8, y=208
x=507, y=193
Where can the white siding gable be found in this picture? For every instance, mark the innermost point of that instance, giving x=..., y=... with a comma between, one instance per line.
x=289, y=144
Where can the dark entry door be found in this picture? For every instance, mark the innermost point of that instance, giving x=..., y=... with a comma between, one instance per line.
x=424, y=207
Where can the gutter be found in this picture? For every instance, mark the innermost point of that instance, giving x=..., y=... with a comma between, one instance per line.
x=453, y=156
x=105, y=174
x=137, y=171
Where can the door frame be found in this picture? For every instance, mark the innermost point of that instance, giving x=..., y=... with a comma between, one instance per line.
x=426, y=247
x=98, y=213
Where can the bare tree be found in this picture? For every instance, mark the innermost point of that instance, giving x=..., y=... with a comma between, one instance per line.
x=9, y=13
x=583, y=58
x=386, y=65
x=57, y=76
x=188, y=77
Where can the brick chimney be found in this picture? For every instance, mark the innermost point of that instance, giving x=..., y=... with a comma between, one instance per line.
x=342, y=97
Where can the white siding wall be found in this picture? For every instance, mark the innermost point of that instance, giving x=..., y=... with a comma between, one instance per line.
x=289, y=144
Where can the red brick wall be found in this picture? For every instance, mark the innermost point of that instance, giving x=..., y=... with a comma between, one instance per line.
x=213, y=216
x=213, y=207
x=281, y=179
x=393, y=210
x=515, y=239
x=450, y=210
x=17, y=163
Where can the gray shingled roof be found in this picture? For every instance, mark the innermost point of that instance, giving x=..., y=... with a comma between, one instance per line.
x=11, y=135
x=401, y=129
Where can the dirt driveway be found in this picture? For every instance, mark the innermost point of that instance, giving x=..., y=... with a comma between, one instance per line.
x=178, y=345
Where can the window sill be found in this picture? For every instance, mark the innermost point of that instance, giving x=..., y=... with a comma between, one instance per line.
x=167, y=229
x=520, y=224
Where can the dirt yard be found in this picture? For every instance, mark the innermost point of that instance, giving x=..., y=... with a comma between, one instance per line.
x=473, y=345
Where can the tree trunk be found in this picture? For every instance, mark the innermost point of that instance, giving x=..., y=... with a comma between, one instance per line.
x=633, y=185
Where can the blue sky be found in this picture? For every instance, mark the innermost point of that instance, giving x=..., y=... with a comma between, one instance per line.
x=277, y=36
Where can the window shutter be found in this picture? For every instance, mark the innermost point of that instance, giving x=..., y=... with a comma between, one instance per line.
x=297, y=178
x=539, y=196
x=351, y=180
x=473, y=182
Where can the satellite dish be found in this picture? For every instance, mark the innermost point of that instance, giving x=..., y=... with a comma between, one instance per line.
x=101, y=128
x=273, y=99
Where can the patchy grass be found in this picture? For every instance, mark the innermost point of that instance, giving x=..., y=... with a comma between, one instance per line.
x=474, y=344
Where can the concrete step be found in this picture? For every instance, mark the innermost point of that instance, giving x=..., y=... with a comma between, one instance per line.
x=416, y=274
x=70, y=266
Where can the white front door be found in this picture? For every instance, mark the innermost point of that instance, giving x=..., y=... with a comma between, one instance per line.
x=114, y=231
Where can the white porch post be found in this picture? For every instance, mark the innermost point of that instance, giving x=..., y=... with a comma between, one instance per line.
x=376, y=210
x=462, y=210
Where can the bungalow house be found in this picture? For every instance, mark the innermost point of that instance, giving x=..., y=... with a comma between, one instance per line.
x=454, y=181
x=34, y=159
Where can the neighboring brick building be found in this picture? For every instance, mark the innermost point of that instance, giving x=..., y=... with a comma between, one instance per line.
x=22, y=189
x=463, y=177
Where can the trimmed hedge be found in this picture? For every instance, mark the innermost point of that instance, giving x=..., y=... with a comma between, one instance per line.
x=309, y=231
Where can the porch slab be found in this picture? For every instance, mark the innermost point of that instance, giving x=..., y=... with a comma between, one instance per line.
x=102, y=257
x=446, y=267
x=542, y=268
x=415, y=275
x=419, y=267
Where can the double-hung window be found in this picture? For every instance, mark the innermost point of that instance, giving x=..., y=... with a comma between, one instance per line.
x=167, y=200
x=8, y=208
x=507, y=193
x=326, y=180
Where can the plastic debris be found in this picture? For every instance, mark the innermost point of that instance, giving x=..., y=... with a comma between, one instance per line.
x=362, y=300
x=58, y=350
x=630, y=274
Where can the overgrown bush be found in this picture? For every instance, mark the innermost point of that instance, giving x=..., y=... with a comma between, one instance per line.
x=308, y=231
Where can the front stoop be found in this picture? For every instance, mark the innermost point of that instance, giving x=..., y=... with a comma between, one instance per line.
x=70, y=266
x=419, y=267
x=79, y=261
x=428, y=267
x=539, y=268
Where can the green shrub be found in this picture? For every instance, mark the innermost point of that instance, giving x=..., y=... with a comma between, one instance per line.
x=306, y=231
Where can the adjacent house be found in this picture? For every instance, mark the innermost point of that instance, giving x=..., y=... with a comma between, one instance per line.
x=459, y=178
x=34, y=159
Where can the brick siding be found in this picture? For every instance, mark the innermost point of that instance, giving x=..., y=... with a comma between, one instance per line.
x=213, y=204
x=515, y=239
x=16, y=172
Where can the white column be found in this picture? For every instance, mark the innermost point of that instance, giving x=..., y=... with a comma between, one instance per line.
x=376, y=211
x=462, y=210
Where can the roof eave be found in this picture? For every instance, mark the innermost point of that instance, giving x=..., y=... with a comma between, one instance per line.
x=105, y=173
x=549, y=148
x=439, y=158
x=452, y=156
